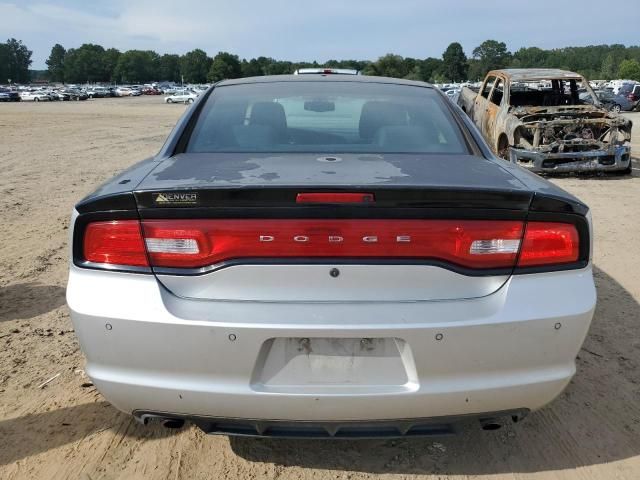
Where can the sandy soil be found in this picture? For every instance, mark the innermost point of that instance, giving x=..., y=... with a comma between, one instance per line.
x=53, y=154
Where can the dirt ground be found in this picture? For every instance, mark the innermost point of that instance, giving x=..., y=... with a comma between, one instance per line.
x=53, y=154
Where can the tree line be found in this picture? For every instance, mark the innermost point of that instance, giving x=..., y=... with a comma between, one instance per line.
x=93, y=63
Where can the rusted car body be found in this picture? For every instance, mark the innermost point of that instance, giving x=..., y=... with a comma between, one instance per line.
x=535, y=118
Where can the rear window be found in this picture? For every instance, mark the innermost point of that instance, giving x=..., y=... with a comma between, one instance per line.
x=325, y=117
x=551, y=92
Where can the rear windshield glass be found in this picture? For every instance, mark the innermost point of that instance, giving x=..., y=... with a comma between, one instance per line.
x=326, y=117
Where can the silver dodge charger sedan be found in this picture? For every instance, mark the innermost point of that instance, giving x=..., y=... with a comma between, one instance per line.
x=329, y=256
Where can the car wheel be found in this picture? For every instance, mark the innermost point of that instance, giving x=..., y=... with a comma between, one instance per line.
x=169, y=100
x=615, y=108
x=190, y=101
x=36, y=99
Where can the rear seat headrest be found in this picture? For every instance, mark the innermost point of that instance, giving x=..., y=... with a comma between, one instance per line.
x=376, y=114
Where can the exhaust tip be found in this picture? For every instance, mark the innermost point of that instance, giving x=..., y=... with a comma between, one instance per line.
x=490, y=425
x=173, y=423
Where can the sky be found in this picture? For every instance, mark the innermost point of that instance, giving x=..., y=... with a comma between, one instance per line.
x=313, y=30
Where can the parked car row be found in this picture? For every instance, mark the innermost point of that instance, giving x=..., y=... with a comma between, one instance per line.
x=52, y=95
x=76, y=92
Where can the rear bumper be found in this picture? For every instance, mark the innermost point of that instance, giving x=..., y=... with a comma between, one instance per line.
x=614, y=158
x=150, y=351
x=413, y=427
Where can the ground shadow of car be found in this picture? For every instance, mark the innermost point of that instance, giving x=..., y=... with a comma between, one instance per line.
x=22, y=301
x=595, y=421
x=78, y=421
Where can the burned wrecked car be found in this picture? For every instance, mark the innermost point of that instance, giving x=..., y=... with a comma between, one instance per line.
x=549, y=121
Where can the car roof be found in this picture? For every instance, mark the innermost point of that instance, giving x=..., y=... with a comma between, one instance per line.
x=322, y=78
x=520, y=74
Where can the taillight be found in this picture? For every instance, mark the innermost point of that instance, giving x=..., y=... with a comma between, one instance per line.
x=197, y=243
x=115, y=243
x=549, y=243
x=471, y=244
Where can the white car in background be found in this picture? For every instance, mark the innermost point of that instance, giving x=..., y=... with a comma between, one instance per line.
x=35, y=96
x=182, y=97
x=123, y=91
x=170, y=90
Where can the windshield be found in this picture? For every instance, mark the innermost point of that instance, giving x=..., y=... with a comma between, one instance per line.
x=326, y=117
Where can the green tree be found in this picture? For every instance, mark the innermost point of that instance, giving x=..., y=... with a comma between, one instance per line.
x=169, y=68
x=85, y=64
x=137, y=66
x=224, y=66
x=351, y=64
x=629, y=69
x=251, y=68
x=18, y=60
x=429, y=68
x=476, y=70
x=608, y=69
x=109, y=62
x=271, y=66
x=414, y=74
x=454, y=63
x=530, y=57
x=491, y=55
x=4, y=63
x=389, y=65
x=55, y=63
x=195, y=65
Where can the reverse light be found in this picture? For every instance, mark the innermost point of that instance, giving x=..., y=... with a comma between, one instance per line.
x=187, y=246
x=493, y=246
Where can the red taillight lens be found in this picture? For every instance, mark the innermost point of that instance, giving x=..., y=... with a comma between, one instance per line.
x=116, y=243
x=337, y=197
x=198, y=243
x=548, y=243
